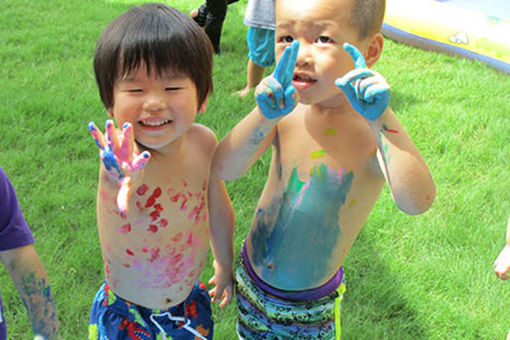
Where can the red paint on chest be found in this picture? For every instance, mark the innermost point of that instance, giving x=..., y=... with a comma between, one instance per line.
x=142, y=189
x=126, y=228
x=154, y=254
x=152, y=199
x=177, y=238
x=157, y=212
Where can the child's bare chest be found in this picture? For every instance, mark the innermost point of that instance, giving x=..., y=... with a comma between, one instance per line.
x=348, y=145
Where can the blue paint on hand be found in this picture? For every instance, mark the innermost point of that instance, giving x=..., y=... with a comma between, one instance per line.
x=109, y=161
x=368, y=94
x=277, y=97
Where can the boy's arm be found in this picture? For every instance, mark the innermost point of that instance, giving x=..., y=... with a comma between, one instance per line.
x=250, y=138
x=221, y=219
x=406, y=172
x=502, y=263
x=33, y=285
x=243, y=145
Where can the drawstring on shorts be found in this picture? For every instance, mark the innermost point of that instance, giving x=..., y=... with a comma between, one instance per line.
x=175, y=319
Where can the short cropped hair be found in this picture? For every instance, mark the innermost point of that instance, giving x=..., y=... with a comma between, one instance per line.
x=367, y=16
x=163, y=38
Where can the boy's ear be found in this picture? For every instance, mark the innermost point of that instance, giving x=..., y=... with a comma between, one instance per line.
x=374, y=49
x=204, y=105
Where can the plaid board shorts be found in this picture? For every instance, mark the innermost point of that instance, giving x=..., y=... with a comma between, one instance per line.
x=263, y=316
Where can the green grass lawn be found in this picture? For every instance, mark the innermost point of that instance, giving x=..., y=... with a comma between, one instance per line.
x=408, y=277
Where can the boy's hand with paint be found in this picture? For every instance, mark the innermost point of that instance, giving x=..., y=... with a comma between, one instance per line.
x=367, y=91
x=275, y=95
x=119, y=157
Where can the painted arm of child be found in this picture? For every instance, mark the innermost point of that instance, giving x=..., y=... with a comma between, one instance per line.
x=120, y=159
x=249, y=139
x=405, y=170
x=33, y=285
x=502, y=263
x=221, y=219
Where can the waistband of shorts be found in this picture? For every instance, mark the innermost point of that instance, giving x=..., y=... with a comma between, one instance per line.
x=122, y=305
x=300, y=295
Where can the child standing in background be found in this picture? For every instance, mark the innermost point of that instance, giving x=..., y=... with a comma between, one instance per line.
x=259, y=17
x=335, y=143
x=158, y=203
x=20, y=258
x=211, y=16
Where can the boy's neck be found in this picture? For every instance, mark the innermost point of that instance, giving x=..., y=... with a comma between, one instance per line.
x=326, y=110
x=173, y=149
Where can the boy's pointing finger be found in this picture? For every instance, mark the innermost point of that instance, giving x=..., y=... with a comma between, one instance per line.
x=285, y=68
x=357, y=57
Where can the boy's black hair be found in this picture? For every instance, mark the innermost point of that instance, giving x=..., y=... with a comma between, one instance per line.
x=368, y=16
x=163, y=38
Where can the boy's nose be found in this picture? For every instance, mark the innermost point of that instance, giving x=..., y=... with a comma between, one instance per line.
x=154, y=103
x=304, y=54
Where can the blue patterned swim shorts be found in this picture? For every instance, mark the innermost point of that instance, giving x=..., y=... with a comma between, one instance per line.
x=264, y=316
x=112, y=317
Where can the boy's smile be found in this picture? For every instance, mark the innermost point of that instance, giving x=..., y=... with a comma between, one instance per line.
x=154, y=123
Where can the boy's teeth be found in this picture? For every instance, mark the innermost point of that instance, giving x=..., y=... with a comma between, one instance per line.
x=156, y=123
x=303, y=78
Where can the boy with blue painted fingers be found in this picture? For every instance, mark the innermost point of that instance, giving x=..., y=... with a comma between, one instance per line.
x=335, y=142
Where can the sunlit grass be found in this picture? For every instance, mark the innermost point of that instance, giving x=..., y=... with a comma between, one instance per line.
x=408, y=277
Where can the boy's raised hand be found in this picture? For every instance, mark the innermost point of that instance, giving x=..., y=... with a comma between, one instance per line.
x=275, y=95
x=367, y=91
x=117, y=152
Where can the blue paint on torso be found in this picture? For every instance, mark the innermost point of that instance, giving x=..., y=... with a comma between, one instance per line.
x=294, y=237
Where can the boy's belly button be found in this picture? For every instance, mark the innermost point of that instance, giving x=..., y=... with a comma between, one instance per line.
x=270, y=266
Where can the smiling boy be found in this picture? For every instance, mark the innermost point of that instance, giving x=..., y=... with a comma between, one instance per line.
x=335, y=142
x=158, y=204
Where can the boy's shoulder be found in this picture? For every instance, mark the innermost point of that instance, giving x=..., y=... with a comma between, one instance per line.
x=202, y=132
x=202, y=136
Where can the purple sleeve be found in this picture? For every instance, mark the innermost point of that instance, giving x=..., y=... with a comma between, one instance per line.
x=14, y=231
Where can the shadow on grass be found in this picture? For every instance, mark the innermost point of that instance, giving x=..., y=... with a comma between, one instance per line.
x=400, y=100
x=374, y=306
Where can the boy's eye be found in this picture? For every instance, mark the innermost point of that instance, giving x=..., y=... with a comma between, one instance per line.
x=287, y=39
x=171, y=88
x=323, y=39
x=134, y=90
